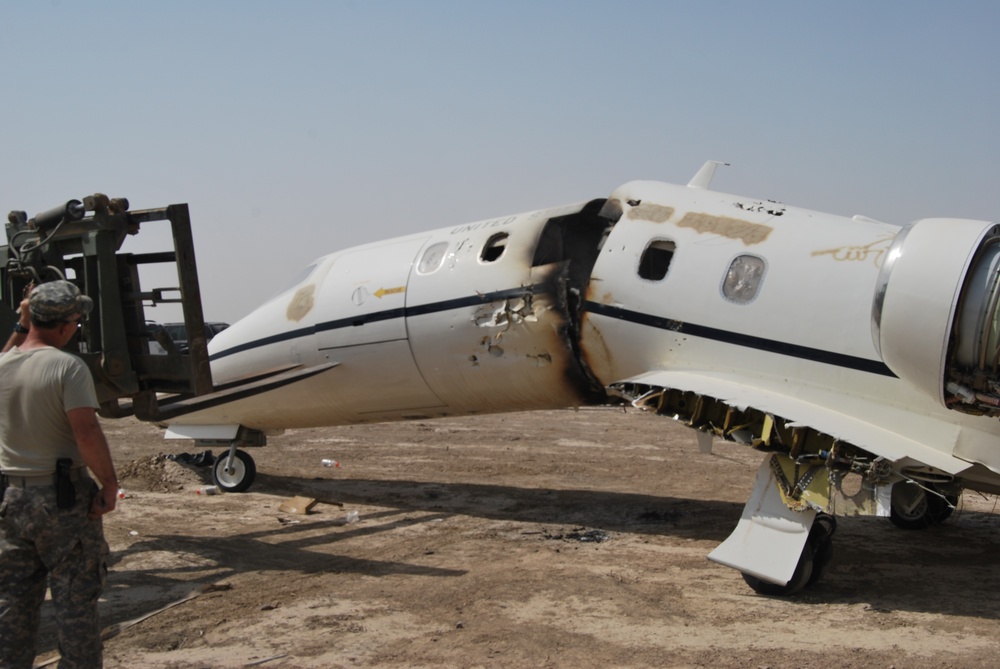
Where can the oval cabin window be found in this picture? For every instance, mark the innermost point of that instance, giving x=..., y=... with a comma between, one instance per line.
x=743, y=279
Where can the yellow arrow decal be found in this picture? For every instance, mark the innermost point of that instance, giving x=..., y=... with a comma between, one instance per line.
x=389, y=291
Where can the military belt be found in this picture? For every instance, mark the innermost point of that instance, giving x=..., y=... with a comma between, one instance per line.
x=41, y=480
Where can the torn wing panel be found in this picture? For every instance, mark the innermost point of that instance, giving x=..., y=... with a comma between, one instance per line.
x=851, y=419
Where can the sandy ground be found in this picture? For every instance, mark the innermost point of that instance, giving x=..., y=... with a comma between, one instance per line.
x=548, y=539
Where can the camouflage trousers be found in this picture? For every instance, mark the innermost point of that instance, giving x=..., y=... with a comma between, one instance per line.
x=41, y=543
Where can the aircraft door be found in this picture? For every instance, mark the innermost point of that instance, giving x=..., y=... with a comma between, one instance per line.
x=363, y=326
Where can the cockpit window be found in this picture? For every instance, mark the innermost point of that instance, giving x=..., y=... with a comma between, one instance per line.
x=494, y=247
x=655, y=260
x=743, y=279
x=299, y=278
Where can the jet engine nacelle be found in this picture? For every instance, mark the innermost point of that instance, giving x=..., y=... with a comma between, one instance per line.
x=935, y=316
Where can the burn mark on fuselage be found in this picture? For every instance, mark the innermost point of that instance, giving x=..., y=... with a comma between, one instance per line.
x=302, y=303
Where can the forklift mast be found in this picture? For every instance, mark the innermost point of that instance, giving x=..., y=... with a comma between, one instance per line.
x=80, y=241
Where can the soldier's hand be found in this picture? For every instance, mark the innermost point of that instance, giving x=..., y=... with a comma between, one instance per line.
x=24, y=311
x=104, y=502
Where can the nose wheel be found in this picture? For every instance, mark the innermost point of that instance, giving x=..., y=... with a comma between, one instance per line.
x=234, y=471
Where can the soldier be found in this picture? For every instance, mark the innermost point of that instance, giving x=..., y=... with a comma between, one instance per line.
x=50, y=516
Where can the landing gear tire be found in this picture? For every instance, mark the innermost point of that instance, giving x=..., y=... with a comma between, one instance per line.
x=822, y=558
x=801, y=577
x=239, y=476
x=913, y=508
x=941, y=509
x=821, y=540
x=817, y=554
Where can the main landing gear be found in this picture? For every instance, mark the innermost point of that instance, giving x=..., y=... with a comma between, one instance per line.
x=913, y=507
x=916, y=507
x=817, y=554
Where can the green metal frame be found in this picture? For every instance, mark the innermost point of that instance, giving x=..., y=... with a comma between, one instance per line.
x=115, y=340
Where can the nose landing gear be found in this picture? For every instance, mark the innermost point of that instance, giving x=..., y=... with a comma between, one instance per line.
x=234, y=471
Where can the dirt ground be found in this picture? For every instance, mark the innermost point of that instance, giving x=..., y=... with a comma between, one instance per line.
x=548, y=539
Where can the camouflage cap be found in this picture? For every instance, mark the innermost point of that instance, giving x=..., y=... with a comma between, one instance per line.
x=58, y=301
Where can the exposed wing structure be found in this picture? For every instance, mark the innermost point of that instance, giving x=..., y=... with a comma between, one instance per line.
x=891, y=432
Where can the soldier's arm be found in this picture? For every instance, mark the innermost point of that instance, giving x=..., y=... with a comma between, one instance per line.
x=24, y=320
x=96, y=455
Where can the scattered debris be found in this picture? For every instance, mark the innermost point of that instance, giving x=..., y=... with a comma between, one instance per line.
x=205, y=459
x=297, y=504
x=581, y=534
x=266, y=659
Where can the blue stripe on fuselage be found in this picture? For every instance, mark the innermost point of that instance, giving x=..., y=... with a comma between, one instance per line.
x=745, y=340
x=376, y=316
x=639, y=318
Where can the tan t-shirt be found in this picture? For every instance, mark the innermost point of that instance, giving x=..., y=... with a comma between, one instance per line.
x=37, y=388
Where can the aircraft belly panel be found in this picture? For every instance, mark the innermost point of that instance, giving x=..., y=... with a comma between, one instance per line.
x=398, y=386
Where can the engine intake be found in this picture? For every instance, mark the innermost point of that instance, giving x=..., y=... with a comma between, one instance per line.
x=936, y=312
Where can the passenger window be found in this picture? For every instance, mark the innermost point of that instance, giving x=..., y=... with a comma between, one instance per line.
x=433, y=258
x=494, y=247
x=742, y=282
x=655, y=260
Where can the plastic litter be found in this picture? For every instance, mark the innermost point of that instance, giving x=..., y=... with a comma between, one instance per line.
x=327, y=462
x=208, y=490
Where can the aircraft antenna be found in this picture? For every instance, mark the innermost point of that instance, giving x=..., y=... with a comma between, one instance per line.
x=703, y=178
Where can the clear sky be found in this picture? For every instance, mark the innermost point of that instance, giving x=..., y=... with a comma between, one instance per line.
x=294, y=129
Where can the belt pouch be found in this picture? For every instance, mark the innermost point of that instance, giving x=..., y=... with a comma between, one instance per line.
x=65, y=490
